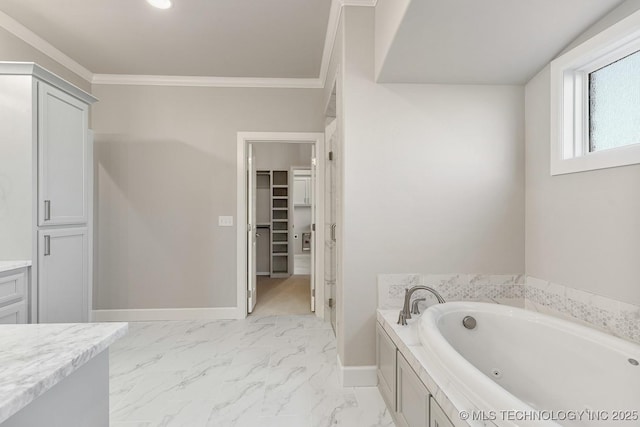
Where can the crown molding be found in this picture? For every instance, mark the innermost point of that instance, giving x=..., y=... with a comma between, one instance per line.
x=28, y=36
x=332, y=31
x=205, y=81
x=31, y=38
x=33, y=69
x=330, y=38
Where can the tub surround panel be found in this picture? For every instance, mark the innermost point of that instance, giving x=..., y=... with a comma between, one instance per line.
x=37, y=357
x=614, y=317
x=445, y=392
x=13, y=265
x=498, y=288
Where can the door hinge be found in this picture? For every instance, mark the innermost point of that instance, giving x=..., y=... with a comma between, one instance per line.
x=330, y=155
x=330, y=302
x=314, y=162
x=313, y=227
x=250, y=293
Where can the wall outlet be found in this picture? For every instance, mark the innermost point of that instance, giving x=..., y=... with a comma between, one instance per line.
x=225, y=221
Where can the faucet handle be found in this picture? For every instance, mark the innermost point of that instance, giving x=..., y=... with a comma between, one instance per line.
x=414, y=305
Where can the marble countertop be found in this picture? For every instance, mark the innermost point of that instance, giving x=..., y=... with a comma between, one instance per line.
x=12, y=265
x=33, y=358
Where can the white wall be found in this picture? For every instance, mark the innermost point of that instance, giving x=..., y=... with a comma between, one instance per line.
x=282, y=156
x=165, y=170
x=582, y=229
x=433, y=182
x=389, y=15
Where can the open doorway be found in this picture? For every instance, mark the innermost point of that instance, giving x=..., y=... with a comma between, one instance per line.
x=278, y=251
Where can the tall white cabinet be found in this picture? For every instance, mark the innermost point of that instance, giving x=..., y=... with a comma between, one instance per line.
x=47, y=153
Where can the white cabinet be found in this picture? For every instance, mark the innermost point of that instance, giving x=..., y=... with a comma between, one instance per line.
x=386, y=357
x=62, y=157
x=438, y=417
x=412, y=404
x=63, y=272
x=408, y=399
x=46, y=155
x=13, y=296
x=13, y=314
x=13, y=286
x=302, y=190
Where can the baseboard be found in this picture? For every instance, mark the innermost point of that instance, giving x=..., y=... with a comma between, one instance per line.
x=144, y=315
x=357, y=376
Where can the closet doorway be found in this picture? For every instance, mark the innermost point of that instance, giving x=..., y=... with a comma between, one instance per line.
x=279, y=180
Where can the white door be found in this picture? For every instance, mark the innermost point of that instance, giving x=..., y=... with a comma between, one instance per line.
x=310, y=191
x=252, y=289
x=63, y=278
x=62, y=157
x=330, y=218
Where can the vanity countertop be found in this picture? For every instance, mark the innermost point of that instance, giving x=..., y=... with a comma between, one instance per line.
x=34, y=358
x=12, y=265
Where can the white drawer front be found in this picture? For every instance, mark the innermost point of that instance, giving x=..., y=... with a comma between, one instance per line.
x=12, y=286
x=13, y=314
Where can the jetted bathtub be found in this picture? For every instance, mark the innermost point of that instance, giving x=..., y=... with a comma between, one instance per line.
x=523, y=368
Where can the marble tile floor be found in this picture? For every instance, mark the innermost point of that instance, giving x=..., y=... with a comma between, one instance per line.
x=257, y=372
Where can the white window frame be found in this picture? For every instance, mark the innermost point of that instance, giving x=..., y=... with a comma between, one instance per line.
x=570, y=100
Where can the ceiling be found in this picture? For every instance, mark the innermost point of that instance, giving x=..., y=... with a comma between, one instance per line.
x=222, y=38
x=487, y=41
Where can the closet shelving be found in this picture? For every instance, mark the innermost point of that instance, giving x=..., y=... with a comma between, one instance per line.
x=272, y=223
x=279, y=223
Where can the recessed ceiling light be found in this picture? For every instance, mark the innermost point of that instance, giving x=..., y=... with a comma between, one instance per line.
x=160, y=4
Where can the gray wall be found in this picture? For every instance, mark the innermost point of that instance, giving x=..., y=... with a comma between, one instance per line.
x=433, y=182
x=272, y=156
x=582, y=229
x=14, y=49
x=166, y=162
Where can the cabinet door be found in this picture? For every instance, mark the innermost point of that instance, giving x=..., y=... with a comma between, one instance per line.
x=13, y=314
x=62, y=157
x=63, y=280
x=412, y=397
x=438, y=417
x=386, y=359
x=13, y=286
x=300, y=191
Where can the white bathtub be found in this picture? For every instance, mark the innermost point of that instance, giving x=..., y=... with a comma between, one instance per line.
x=527, y=369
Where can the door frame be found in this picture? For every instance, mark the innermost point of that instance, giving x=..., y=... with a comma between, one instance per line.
x=244, y=138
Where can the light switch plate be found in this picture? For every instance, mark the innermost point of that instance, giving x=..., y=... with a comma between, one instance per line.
x=225, y=221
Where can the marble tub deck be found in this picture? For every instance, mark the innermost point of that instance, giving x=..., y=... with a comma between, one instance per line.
x=258, y=372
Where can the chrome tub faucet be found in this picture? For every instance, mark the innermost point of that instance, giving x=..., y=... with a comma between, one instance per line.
x=405, y=313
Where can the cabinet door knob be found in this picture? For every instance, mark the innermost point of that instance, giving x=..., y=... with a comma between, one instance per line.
x=47, y=245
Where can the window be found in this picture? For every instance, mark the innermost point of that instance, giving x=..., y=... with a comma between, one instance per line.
x=614, y=104
x=595, y=101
